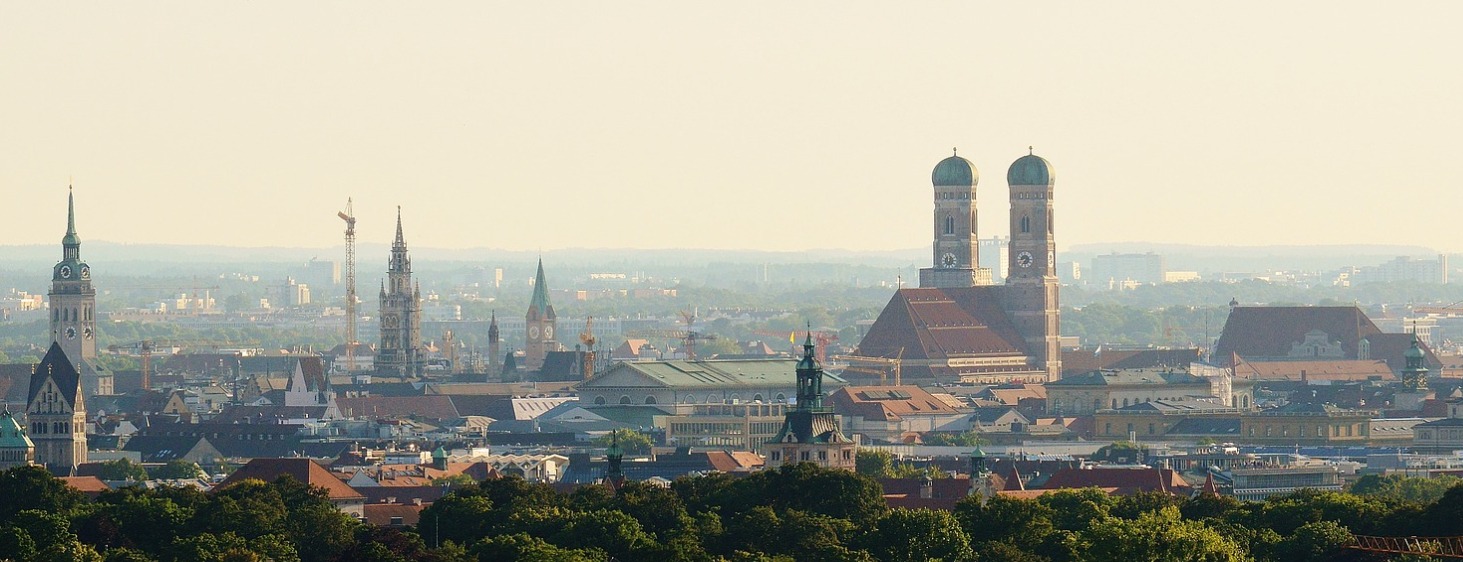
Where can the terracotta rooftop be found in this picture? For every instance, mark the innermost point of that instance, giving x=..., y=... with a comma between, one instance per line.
x=304, y=470
x=937, y=324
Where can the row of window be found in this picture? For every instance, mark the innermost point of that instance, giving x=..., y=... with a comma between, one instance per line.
x=70, y=314
x=42, y=428
x=805, y=456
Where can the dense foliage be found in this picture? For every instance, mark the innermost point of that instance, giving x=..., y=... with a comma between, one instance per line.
x=798, y=512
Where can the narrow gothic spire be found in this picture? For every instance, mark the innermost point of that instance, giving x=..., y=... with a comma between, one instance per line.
x=400, y=240
x=540, y=301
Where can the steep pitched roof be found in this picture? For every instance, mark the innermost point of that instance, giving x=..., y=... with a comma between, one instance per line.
x=539, y=306
x=1270, y=331
x=937, y=324
x=58, y=368
x=304, y=470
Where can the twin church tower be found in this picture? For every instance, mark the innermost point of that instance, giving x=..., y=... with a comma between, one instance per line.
x=958, y=326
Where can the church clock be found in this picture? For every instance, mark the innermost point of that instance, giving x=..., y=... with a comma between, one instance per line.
x=948, y=260
x=533, y=332
x=548, y=332
x=65, y=272
x=1024, y=259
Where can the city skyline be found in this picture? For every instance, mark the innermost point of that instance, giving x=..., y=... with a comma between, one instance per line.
x=791, y=128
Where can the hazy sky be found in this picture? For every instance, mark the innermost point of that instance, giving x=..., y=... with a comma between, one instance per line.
x=776, y=125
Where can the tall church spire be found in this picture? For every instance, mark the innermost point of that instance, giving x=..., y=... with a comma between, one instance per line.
x=400, y=240
x=71, y=242
x=540, y=303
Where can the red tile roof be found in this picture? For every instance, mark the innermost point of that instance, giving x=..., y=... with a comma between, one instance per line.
x=380, y=514
x=304, y=470
x=887, y=402
x=1270, y=331
x=937, y=324
x=1338, y=370
x=432, y=407
x=1124, y=479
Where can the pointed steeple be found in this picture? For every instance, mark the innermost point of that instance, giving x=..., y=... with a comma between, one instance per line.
x=540, y=307
x=71, y=242
x=493, y=327
x=400, y=240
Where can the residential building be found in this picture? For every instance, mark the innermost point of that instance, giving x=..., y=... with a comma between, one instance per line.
x=888, y=413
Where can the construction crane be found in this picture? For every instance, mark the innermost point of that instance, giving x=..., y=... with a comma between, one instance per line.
x=349, y=216
x=587, y=338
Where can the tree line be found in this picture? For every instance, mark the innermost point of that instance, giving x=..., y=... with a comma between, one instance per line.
x=793, y=513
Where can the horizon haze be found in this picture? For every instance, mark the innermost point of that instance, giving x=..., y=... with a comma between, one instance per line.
x=536, y=127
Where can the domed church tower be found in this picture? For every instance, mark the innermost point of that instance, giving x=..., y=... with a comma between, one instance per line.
x=1032, y=286
x=955, y=245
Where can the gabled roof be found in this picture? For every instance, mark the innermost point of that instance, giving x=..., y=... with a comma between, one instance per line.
x=937, y=324
x=1335, y=370
x=1177, y=407
x=382, y=514
x=1126, y=480
x=706, y=374
x=887, y=402
x=1084, y=360
x=539, y=306
x=1270, y=331
x=58, y=368
x=304, y=470
x=1129, y=377
x=432, y=407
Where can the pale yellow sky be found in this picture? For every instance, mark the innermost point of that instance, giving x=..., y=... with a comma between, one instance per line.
x=776, y=125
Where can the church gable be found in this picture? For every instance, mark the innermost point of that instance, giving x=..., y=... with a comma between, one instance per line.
x=57, y=370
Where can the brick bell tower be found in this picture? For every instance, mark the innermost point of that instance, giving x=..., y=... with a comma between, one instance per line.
x=1031, y=286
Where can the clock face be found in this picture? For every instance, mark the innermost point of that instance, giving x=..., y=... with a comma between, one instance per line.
x=548, y=332
x=533, y=332
x=70, y=333
x=86, y=333
x=85, y=272
x=1051, y=257
x=1024, y=259
x=948, y=260
x=65, y=272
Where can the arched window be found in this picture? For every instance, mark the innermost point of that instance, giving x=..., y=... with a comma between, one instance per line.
x=757, y=398
x=735, y=398
x=688, y=399
x=949, y=225
x=1049, y=222
x=1025, y=224
x=625, y=400
x=649, y=399
x=780, y=397
x=599, y=400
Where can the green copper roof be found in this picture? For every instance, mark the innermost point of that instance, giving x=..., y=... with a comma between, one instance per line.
x=540, y=302
x=1031, y=170
x=71, y=239
x=12, y=436
x=440, y=453
x=955, y=171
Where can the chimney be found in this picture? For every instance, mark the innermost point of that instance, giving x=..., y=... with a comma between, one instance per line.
x=416, y=501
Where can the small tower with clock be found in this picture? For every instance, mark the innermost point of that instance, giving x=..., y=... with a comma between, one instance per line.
x=1031, y=285
x=539, y=323
x=401, y=314
x=73, y=305
x=955, y=262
